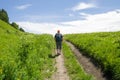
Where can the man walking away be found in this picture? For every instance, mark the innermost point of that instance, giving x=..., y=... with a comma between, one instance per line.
x=58, y=39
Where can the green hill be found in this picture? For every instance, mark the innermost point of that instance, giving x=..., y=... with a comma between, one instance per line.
x=23, y=56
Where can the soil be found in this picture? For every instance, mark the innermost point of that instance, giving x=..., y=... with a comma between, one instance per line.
x=86, y=63
x=61, y=73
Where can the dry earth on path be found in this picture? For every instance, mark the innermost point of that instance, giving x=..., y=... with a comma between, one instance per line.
x=86, y=63
x=61, y=73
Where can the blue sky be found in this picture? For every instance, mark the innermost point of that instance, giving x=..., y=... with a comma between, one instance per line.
x=53, y=10
x=57, y=12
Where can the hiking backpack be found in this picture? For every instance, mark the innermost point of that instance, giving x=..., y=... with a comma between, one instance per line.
x=58, y=37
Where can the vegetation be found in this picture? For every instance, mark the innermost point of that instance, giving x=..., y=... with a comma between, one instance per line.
x=16, y=26
x=103, y=48
x=74, y=69
x=24, y=56
x=4, y=16
x=21, y=29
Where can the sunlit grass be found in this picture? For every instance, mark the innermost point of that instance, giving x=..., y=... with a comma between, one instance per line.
x=24, y=56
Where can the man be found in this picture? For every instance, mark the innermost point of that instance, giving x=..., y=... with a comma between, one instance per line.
x=58, y=39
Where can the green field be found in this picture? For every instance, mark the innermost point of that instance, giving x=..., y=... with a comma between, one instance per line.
x=103, y=48
x=24, y=56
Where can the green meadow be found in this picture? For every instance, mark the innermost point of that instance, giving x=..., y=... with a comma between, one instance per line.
x=24, y=56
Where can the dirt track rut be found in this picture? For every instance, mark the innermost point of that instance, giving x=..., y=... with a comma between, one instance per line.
x=87, y=65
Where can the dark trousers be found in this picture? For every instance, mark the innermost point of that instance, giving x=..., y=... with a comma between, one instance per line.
x=59, y=45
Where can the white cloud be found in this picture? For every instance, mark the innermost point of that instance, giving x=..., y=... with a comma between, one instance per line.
x=38, y=27
x=81, y=6
x=109, y=21
x=84, y=14
x=22, y=7
x=71, y=15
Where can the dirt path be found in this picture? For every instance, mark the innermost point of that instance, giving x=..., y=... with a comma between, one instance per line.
x=61, y=73
x=88, y=66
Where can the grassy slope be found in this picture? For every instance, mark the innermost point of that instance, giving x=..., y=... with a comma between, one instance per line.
x=24, y=56
x=104, y=48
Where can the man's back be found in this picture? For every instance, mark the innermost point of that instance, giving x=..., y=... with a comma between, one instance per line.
x=58, y=37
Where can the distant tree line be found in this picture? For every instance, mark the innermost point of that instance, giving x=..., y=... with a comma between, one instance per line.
x=16, y=26
x=4, y=17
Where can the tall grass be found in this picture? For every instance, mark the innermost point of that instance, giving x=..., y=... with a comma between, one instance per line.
x=24, y=56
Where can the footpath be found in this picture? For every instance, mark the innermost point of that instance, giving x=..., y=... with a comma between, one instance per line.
x=61, y=73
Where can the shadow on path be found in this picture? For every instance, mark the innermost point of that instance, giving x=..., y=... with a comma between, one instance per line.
x=53, y=56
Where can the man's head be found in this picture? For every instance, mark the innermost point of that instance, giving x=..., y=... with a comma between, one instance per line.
x=58, y=31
